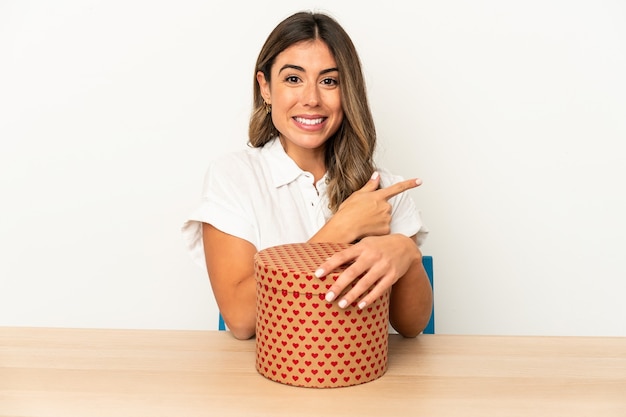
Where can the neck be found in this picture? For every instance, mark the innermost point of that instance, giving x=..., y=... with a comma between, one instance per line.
x=310, y=160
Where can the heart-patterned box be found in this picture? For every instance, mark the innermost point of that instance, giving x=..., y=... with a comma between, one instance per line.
x=303, y=340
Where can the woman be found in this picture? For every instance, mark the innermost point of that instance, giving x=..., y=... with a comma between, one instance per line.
x=309, y=176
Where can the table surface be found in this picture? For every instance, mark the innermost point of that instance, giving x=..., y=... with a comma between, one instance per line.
x=90, y=373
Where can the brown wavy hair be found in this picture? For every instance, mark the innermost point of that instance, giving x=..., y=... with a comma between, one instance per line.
x=349, y=152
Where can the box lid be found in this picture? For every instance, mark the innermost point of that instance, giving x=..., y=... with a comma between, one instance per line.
x=291, y=267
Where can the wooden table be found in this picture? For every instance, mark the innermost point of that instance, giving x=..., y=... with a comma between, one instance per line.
x=90, y=373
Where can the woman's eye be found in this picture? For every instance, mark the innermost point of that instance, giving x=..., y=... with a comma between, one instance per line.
x=292, y=79
x=330, y=82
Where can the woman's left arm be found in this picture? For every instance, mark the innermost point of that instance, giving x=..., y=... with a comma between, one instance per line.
x=390, y=261
x=411, y=299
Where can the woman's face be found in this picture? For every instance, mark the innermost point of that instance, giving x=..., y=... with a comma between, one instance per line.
x=305, y=95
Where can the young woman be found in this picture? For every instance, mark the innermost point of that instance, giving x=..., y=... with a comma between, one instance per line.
x=309, y=176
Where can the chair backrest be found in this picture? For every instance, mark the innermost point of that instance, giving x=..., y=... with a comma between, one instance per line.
x=430, y=327
x=221, y=325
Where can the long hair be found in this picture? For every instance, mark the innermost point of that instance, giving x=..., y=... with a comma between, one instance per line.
x=349, y=152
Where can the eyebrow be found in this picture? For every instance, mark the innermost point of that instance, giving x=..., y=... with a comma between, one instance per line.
x=299, y=68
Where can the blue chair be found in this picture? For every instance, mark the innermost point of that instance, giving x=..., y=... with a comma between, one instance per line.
x=428, y=266
x=430, y=327
x=221, y=325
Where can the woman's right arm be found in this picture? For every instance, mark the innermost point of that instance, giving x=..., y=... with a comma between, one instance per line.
x=230, y=263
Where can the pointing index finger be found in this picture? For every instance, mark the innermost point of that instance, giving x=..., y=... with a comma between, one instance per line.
x=399, y=187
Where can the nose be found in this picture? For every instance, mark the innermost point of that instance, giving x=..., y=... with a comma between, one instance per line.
x=311, y=96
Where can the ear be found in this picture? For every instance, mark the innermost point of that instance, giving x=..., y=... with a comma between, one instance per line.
x=264, y=86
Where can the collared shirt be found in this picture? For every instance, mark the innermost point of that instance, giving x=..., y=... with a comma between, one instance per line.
x=262, y=196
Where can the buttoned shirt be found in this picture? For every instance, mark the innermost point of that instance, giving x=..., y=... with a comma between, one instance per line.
x=262, y=196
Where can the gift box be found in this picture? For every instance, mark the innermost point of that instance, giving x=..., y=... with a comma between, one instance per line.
x=303, y=340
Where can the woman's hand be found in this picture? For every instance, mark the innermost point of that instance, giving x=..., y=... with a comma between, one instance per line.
x=366, y=212
x=380, y=260
x=383, y=262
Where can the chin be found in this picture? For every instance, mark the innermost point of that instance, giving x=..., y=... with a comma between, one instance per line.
x=308, y=141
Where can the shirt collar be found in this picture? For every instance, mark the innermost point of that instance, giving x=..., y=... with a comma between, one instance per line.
x=284, y=170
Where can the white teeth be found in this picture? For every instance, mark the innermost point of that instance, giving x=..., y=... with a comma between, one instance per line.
x=309, y=122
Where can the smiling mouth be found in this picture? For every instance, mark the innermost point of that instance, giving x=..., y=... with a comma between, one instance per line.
x=309, y=122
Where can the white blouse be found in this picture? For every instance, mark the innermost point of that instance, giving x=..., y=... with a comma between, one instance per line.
x=262, y=196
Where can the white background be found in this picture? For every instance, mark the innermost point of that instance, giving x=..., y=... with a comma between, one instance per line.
x=513, y=113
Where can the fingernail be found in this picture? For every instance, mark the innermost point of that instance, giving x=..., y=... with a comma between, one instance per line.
x=330, y=296
x=319, y=273
x=418, y=181
x=342, y=304
x=362, y=304
x=374, y=175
